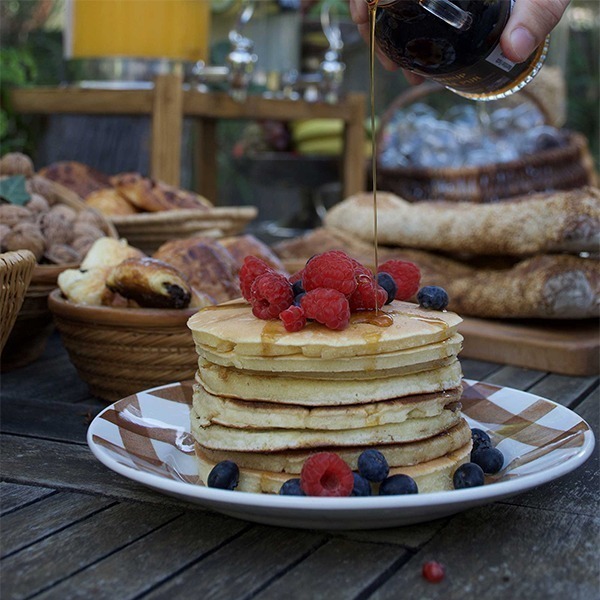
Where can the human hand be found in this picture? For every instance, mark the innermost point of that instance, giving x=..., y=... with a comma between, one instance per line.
x=529, y=24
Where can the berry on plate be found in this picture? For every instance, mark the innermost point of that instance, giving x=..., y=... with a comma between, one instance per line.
x=291, y=488
x=406, y=275
x=327, y=306
x=398, y=484
x=362, y=487
x=372, y=465
x=491, y=460
x=433, y=296
x=270, y=294
x=468, y=475
x=224, y=475
x=250, y=270
x=332, y=270
x=326, y=474
x=480, y=439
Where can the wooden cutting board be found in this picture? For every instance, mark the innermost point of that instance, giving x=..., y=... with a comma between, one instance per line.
x=565, y=347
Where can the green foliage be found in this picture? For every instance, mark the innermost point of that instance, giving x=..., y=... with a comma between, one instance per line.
x=13, y=190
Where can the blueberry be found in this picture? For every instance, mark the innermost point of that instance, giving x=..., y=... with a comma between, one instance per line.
x=298, y=299
x=432, y=296
x=362, y=487
x=468, y=475
x=480, y=439
x=297, y=287
x=386, y=281
x=489, y=459
x=372, y=465
x=224, y=475
x=291, y=488
x=398, y=484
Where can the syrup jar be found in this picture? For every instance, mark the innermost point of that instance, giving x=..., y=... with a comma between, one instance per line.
x=456, y=43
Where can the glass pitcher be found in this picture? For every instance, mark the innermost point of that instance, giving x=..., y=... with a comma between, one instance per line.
x=456, y=43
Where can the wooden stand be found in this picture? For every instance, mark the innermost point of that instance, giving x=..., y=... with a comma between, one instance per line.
x=169, y=101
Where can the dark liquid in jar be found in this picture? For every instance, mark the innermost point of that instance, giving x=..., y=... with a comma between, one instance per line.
x=467, y=61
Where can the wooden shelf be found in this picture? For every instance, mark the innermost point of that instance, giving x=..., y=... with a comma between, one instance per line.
x=168, y=101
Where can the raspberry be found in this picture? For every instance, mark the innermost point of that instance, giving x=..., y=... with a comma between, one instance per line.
x=297, y=276
x=328, y=307
x=333, y=270
x=250, y=270
x=270, y=294
x=433, y=571
x=293, y=318
x=326, y=474
x=406, y=275
x=367, y=295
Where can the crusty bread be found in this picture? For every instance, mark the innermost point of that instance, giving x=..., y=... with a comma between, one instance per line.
x=206, y=264
x=154, y=196
x=240, y=246
x=541, y=223
x=150, y=282
x=79, y=178
x=110, y=203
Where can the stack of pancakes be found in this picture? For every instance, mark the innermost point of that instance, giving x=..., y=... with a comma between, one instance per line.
x=268, y=399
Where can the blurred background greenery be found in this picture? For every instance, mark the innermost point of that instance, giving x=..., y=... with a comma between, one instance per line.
x=31, y=53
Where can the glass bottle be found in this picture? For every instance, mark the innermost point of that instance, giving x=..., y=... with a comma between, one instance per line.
x=456, y=43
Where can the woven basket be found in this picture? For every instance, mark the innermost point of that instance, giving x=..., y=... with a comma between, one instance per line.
x=121, y=351
x=562, y=168
x=34, y=325
x=16, y=269
x=148, y=231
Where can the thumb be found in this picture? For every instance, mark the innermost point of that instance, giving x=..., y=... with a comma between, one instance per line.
x=529, y=24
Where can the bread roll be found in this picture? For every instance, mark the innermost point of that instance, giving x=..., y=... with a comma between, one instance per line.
x=566, y=221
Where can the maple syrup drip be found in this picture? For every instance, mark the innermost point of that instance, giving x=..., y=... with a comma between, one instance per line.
x=371, y=317
x=372, y=5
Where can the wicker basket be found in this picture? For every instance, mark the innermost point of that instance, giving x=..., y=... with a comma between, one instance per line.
x=121, y=351
x=16, y=269
x=34, y=325
x=148, y=231
x=562, y=168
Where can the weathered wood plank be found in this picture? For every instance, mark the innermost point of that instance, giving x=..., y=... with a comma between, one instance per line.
x=500, y=551
x=564, y=389
x=66, y=421
x=23, y=527
x=51, y=377
x=156, y=557
x=69, y=467
x=577, y=492
x=242, y=567
x=54, y=558
x=339, y=569
x=478, y=369
x=516, y=377
x=13, y=496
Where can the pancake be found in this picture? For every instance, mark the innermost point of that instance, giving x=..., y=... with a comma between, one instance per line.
x=241, y=414
x=431, y=476
x=316, y=367
x=263, y=440
x=397, y=455
x=231, y=327
x=234, y=383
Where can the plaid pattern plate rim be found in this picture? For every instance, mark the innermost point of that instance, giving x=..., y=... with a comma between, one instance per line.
x=146, y=438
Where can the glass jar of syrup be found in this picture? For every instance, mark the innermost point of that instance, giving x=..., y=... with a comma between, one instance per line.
x=456, y=43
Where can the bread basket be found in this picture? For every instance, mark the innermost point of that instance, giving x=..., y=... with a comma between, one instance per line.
x=148, y=231
x=16, y=269
x=34, y=325
x=121, y=351
x=570, y=166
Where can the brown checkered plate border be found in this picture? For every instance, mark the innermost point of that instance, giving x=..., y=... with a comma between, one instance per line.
x=146, y=438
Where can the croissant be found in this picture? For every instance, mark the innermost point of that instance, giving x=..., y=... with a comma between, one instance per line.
x=150, y=282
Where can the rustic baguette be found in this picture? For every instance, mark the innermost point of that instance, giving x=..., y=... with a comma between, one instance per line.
x=567, y=221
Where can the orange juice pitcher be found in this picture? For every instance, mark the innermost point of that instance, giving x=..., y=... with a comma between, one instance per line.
x=176, y=30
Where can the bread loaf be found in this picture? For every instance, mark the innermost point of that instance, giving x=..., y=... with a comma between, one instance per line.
x=566, y=221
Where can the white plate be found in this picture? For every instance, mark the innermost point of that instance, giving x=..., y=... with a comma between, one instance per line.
x=146, y=438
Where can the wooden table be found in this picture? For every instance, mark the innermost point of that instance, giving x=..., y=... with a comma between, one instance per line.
x=71, y=528
x=168, y=101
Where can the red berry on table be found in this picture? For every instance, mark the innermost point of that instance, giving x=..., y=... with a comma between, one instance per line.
x=406, y=275
x=433, y=571
x=326, y=474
